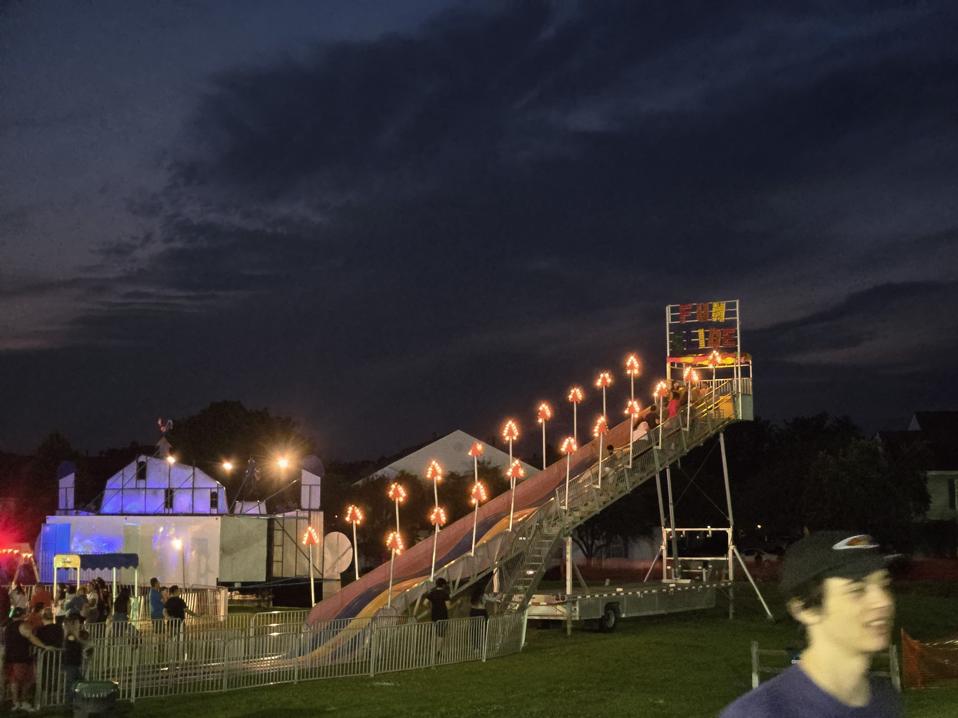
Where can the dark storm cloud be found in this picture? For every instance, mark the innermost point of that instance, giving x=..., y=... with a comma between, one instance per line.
x=501, y=202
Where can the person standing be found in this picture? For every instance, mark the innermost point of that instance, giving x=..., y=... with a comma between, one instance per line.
x=176, y=608
x=156, y=600
x=50, y=634
x=17, y=661
x=77, y=600
x=837, y=587
x=438, y=599
x=75, y=641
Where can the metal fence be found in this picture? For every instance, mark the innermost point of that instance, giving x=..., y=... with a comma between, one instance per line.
x=272, y=648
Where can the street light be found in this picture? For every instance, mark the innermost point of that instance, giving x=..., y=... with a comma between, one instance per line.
x=544, y=413
x=354, y=516
x=632, y=368
x=599, y=431
x=576, y=395
x=227, y=466
x=603, y=382
x=514, y=472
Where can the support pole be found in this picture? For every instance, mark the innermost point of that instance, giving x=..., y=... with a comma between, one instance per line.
x=392, y=561
x=748, y=575
x=435, y=543
x=355, y=552
x=312, y=582
x=652, y=565
x=731, y=529
x=568, y=585
x=662, y=549
x=601, y=451
x=675, y=539
x=475, y=525
x=543, y=446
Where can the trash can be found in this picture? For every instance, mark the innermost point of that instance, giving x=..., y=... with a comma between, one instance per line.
x=94, y=698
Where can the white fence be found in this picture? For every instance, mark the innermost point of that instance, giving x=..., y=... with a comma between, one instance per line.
x=274, y=647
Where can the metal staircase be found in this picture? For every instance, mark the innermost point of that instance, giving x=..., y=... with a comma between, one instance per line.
x=520, y=557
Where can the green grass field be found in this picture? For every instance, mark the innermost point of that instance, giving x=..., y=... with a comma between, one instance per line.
x=682, y=665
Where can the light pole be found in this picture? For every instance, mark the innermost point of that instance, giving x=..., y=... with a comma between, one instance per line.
x=599, y=431
x=603, y=382
x=510, y=433
x=691, y=377
x=714, y=360
x=397, y=494
x=310, y=539
x=632, y=368
x=632, y=410
x=569, y=447
x=395, y=545
x=354, y=516
x=170, y=460
x=437, y=517
x=543, y=414
x=576, y=395
x=477, y=496
x=434, y=474
x=515, y=472
x=475, y=451
x=661, y=389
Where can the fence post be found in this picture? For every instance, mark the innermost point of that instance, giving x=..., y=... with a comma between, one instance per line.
x=298, y=657
x=525, y=616
x=372, y=649
x=133, y=672
x=226, y=664
x=485, y=638
x=755, y=676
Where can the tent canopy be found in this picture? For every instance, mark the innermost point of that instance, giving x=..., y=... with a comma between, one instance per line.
x=96, y=561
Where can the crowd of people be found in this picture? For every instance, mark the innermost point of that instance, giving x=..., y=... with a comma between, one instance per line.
x=41, y=622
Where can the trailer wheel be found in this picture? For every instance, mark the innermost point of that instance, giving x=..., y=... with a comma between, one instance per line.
x=610, y=618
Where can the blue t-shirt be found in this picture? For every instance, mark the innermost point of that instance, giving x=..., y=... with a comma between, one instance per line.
x=156, y=604
x=792, y=694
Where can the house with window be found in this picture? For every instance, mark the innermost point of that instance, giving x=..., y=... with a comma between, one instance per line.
x=933, y=435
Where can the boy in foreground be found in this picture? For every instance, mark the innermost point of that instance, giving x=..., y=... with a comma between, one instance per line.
x=837, y=586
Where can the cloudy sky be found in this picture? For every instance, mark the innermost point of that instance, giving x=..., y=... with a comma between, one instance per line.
x=394, y=219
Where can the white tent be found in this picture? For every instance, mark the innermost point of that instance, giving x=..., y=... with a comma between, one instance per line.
x=452, y=452
x=150, y=485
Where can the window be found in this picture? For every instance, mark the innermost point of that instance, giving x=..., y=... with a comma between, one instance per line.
x=140, y=470
x=214, y=500
x=168, y=499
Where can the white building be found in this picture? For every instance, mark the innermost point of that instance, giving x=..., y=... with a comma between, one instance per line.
x=452, y=453
x=150, y=485
x=177, y=519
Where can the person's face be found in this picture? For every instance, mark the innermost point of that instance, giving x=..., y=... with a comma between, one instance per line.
x=856, y=615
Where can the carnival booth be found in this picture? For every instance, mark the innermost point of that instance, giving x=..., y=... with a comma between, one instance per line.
x=80, y=562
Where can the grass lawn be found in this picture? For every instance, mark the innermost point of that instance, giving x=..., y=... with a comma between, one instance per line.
x=682, y=665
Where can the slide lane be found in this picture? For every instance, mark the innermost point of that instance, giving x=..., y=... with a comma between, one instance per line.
x=363, y=598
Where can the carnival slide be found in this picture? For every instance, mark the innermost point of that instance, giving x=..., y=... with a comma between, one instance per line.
x=367, y=596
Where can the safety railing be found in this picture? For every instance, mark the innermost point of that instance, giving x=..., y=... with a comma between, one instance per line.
x=186, y=664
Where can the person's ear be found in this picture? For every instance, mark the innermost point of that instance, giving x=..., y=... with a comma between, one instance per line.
x=805, y=616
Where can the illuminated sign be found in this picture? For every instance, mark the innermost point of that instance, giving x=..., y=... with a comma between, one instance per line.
x=699, y=328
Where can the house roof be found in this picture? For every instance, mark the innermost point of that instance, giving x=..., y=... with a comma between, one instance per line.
x=932, y=432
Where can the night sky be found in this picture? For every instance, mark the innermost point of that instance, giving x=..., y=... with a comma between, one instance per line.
x=395, y=219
